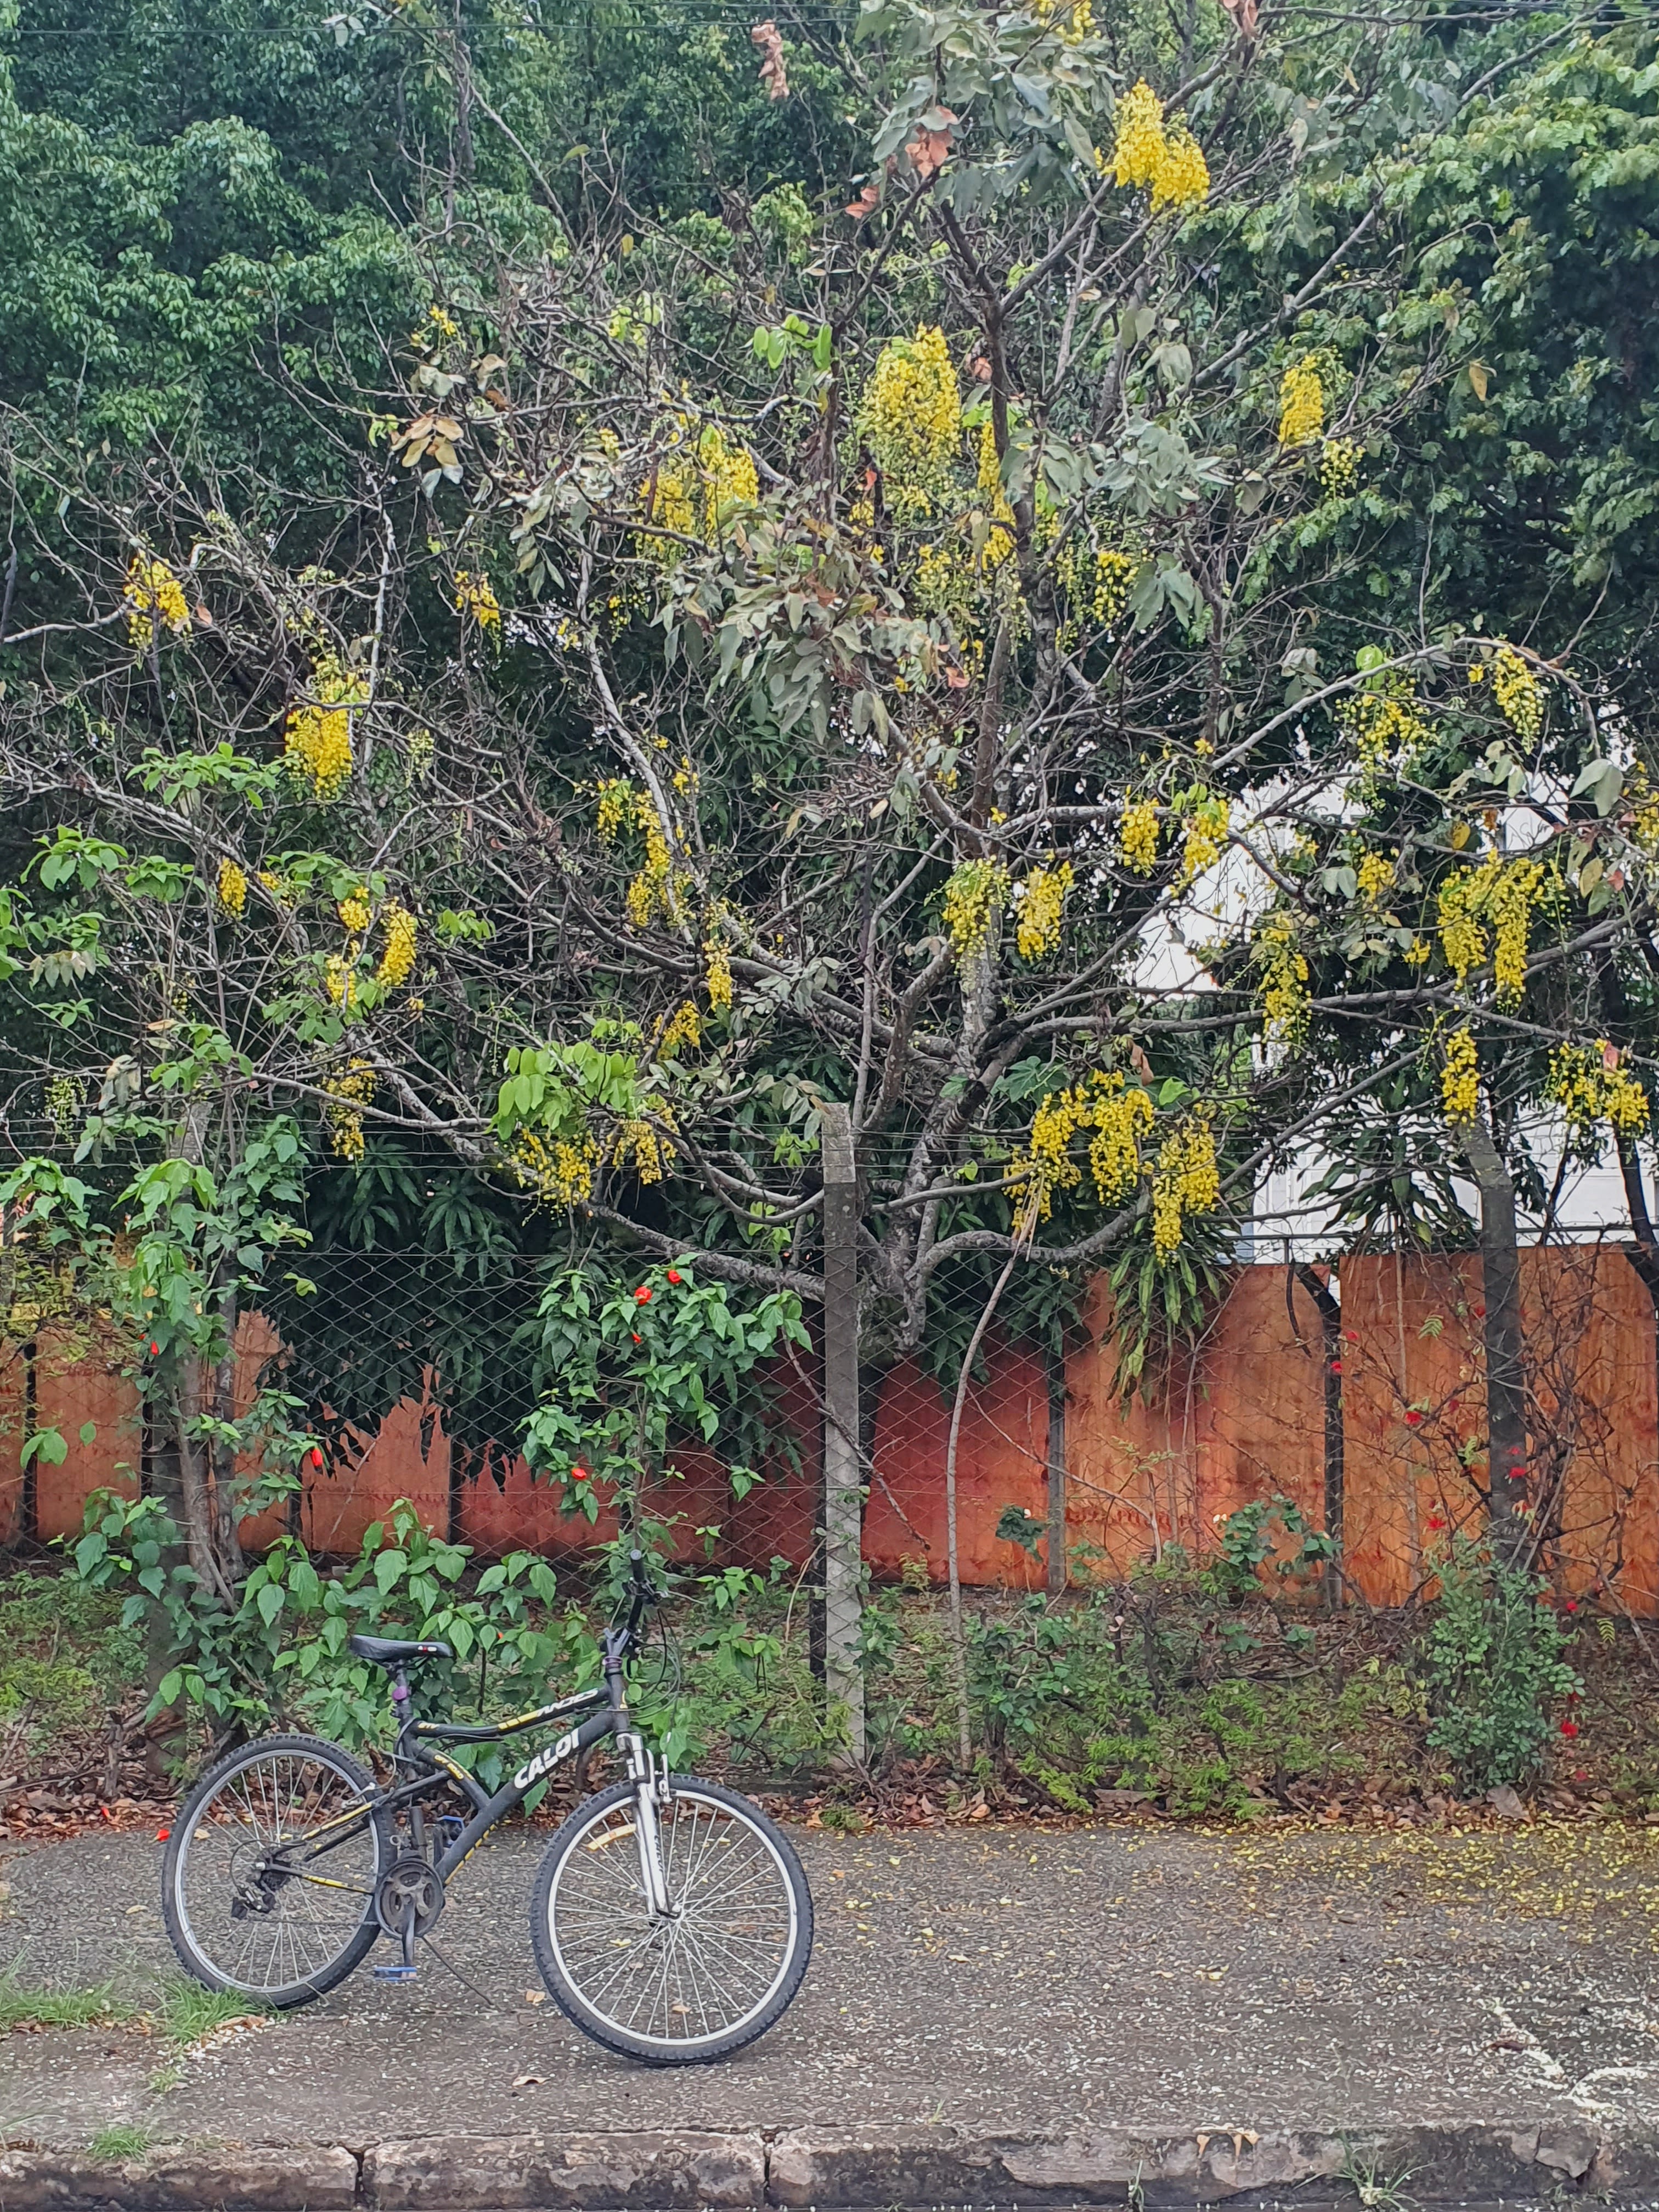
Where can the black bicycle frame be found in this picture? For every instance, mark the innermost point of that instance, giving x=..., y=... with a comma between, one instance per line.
x=611, y=1719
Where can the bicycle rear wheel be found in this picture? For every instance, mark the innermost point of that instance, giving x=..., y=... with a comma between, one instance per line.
x=719, y=1971
x=268, y=1882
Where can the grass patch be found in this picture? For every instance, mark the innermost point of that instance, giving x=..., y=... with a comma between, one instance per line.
x=123, y=2141
x=188, y=2012
x=90, y=2008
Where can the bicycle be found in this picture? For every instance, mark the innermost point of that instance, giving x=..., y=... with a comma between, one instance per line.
x=288, y=1862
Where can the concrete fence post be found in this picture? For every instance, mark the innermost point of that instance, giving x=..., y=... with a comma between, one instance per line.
x=843, y=1472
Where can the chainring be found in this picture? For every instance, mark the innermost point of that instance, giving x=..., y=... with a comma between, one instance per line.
x=408, y=1880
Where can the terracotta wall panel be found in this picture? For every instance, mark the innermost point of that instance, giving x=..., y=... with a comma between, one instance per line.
x=407, y=1457
x=13, y=1427
x=76, y=1387
x=1001, y=1460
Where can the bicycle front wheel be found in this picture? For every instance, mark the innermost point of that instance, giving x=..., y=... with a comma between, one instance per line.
x=715, y=1971
x=269, y=1879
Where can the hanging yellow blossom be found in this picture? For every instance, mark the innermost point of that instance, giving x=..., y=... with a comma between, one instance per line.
x=1589, y=1083
x=616, y=808
x=1512, y=900
x=340, y=982
x=349, y=1092
x=1042, y=908
x=282, y=888
x=700, y=485
x=973, y=896
x=475, y=595
x=1301, y=404
x=683, y=1028
x=152, y=594
x=1519, y=696
x=232, y=889
x=398, y=956
x=1375, y=874
x=637, y=1142
x=354, y=912
x=561, y=1172
x=1204, y=836
x=1137, y=836
x=717, y=973
x=1186, y=1182
x=1143, y=153
x=1284, y=1001
x=1119, y=1118
x=317, y=741
x=1001, y=542
x=1339, y=466
x=1460, y=1079
x=912, y=415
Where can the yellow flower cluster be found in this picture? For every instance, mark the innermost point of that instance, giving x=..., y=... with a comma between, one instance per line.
x=1119, y=1118
x=1339, y=466
x=1301, y=404
x=696, y=491
x=1143, y=153
x=280, y=887
x=1505, y=895
x=316, y=742
x=562, y=1172
x=347, y=1093
x=1589, y=1084
x=1460, y=1078
x=1643, y=825
x=1137, y=836
x=973, y=896
x=1206, y=836
x=1376, y=875
x=152, y=594
x=340, y=982
x=682, y=1028
x=475, y=595
x=618, y=801
x=1187, y=1181
x=717, y=973
x=354, y=912
x=1000, y=543
x=397, y=957
x=912, y=413
x=1097, y=582
x=1041, y=909
x=1285, y=999
x=1520, y=698
x=638, y=1142
x=232, y=889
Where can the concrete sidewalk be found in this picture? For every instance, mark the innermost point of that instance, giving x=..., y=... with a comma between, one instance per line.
x=992, y=2015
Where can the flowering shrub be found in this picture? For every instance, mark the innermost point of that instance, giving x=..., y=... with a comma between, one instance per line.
x=1491, y=1665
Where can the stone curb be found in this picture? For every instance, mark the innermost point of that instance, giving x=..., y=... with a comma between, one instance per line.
x=843, y=2170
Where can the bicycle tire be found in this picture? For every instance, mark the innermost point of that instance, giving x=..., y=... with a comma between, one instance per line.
x=558, y=1950
x=194, y=1826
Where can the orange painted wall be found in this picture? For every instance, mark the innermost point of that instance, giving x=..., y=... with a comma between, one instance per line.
x=1240, y=1418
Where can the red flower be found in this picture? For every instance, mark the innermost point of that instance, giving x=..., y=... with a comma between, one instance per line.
x=1571, y=1604
x=638, y=1339
x=162, y=1834
x=1569, y=1728
x=1436, y=1521
x=1413, y=1418
x=675, y=1277
x=643, y=1296
x=1336, y=1367
x=155, y=1350
x=316, y=1456
x=1351, y=1336
x=1480, y=1313
x=581, y=1474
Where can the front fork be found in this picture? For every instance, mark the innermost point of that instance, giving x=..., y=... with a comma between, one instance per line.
x=652, y=1792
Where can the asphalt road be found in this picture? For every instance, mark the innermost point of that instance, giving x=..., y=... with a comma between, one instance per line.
x=981, y=1978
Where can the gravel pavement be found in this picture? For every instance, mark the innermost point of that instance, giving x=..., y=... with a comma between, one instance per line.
x=991, y=1978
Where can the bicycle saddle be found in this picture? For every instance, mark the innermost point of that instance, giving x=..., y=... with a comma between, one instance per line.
x=393, y=1651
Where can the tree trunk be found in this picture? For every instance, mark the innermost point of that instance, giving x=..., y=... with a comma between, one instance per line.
x=1506, y=1397
x=1330, y=1330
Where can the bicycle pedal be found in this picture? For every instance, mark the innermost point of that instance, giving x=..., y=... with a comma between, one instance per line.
x=396, y=1974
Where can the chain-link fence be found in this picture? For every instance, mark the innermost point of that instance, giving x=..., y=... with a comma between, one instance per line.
x=1354, y=1392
